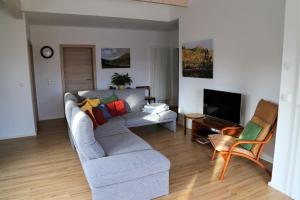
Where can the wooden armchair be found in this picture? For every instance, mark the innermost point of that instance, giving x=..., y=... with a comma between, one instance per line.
x=228, y=144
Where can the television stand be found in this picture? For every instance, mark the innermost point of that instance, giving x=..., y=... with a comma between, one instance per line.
x=202, y=127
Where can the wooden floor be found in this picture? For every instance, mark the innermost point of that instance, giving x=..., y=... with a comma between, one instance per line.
x=45, y=167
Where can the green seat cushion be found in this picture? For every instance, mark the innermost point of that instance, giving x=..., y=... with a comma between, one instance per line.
x=250, y=132
x=109, y=99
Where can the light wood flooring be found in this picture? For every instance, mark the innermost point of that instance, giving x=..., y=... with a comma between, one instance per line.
x=46, y=167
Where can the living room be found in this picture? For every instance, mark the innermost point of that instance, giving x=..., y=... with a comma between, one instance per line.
x=254, y=53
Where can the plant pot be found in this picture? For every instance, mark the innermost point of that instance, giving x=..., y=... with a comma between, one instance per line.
x=121, y=87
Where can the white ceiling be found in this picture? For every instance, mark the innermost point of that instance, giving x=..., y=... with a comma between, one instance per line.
x=96, y=21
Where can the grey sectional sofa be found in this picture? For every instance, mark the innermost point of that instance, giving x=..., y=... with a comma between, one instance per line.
x=118, y=164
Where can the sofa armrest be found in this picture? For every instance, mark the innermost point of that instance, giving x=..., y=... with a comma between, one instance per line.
x=124, y=167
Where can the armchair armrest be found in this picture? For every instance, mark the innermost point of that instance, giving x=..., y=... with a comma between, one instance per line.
x=238, y=142
x=232, y=131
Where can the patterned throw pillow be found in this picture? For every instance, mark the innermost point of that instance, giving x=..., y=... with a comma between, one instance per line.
x=250, y=132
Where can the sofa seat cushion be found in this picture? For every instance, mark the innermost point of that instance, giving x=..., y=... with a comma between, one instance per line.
x=167, y=115
x=118, y=119
x=135, y=98
x=122, y=143
x=125, y=167
x=140, y=118
x=95, y=93
x=109, y=129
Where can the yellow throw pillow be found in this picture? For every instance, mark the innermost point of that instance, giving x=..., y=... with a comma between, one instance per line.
x=87, y=107
x=94, y=102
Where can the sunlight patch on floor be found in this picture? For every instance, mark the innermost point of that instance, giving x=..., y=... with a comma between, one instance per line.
x=189, y=188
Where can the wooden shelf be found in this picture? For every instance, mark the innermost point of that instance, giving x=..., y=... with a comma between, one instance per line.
x=202, y=127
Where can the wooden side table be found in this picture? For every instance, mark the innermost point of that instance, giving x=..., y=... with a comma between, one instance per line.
x=191, y=116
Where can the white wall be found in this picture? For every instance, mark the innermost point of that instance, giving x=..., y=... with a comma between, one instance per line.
x=16, y=119
x=108, y=8
x=248, y=37
x=50, y=99
x=286, y=173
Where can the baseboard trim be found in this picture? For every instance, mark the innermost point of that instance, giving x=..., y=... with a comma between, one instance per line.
x=267, y=158
x=17, y=136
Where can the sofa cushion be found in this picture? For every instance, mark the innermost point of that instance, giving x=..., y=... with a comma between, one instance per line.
x=109, y=129
x=87, y=107
x=166, y=115
x=125, y=167
x=69, y=96
x=83, y=134
x=104, y=109
x=140, y=118
x=117, y=119
x=109, y=99
x=95, y=93
x=134, y=97
x=112, y=108
x=69, y=105
x=99, y=116
x=122, y=143
x=92, y=117
x=120, y=107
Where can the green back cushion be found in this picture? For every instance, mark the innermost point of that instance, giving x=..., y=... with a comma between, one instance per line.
x=109, y=99
x=250, y=132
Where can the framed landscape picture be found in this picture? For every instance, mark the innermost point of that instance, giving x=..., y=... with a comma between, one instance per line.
x=115, y=57
x=197, y=59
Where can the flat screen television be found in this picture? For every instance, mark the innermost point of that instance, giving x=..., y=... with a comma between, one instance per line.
x=222, y=105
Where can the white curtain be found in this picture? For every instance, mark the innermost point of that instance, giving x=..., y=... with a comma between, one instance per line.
x=161, y=73
x=175, y=77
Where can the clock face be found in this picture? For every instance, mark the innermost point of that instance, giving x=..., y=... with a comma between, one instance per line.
x=47, y=52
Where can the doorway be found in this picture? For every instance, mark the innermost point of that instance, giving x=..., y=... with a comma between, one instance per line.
x=78, y=67
x=164, y=75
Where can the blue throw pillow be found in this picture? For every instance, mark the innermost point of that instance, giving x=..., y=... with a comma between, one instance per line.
x=104, y=110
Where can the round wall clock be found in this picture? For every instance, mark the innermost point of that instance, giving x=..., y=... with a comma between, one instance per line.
x=47, y=52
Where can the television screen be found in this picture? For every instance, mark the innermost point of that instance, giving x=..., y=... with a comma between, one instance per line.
x=222, y=105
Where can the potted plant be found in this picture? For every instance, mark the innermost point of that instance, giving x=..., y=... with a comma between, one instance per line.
x=120, y=80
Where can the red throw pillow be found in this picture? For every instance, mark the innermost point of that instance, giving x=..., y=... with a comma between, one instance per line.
x=95, y=123
x=112, y=108
x=99, y=116
x=120, y=107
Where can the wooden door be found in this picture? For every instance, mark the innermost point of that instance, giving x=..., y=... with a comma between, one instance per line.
x=78, y=68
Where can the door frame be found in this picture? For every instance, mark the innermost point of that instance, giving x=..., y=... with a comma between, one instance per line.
x=93, y=47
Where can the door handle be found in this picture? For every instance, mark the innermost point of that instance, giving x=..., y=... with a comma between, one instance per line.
x=88, y=79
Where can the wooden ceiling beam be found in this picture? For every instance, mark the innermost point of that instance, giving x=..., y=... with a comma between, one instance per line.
x=182, y=3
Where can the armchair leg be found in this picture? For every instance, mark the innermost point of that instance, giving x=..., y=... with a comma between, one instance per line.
x=228, y=157
x=213, y=155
